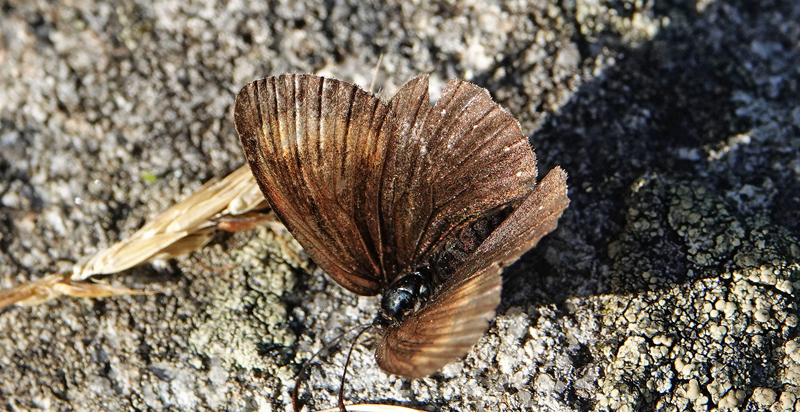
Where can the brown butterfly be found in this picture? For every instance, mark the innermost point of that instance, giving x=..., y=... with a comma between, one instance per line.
x=422, y=203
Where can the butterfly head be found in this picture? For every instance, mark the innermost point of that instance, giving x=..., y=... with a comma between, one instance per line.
x=404, y=296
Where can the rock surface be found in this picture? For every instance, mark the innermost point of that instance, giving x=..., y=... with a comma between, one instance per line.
x=669, y=285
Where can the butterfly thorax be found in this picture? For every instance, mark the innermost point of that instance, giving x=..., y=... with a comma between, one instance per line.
x=403, y=297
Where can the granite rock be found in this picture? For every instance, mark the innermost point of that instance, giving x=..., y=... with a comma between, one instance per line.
x=670, y=283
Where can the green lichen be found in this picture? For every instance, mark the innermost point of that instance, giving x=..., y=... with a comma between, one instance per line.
x=245, y=321
x=712, y=310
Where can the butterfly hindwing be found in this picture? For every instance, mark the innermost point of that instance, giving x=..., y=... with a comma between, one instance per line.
x=458, y=314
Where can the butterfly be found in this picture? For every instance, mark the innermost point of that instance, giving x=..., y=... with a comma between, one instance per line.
x=424, y=204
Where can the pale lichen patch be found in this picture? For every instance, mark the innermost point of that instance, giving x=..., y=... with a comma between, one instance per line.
x=718, y=284
x=245, y=322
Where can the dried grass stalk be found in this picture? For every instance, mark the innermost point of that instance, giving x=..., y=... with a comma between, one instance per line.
x=233, y=203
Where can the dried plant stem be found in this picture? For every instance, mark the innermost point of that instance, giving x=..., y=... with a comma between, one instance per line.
x=233, y=203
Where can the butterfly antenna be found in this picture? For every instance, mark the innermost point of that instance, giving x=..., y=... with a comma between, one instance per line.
x=299, y=377
x=375, y=74
x=346, y=364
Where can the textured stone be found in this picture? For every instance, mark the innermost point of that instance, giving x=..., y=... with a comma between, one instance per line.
x=669, y=285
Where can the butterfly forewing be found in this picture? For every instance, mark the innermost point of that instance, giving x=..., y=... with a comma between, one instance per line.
x=452, y=162
x=310, y=143
x=460, y=311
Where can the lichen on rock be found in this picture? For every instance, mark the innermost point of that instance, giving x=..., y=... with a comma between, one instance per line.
x=245, y=321
x=712, y=315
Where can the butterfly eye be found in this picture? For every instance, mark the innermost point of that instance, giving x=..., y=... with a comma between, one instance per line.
x=397, y=302
x=404, y=295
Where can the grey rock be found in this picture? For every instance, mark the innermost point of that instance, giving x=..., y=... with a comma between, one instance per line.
x=669, y=285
